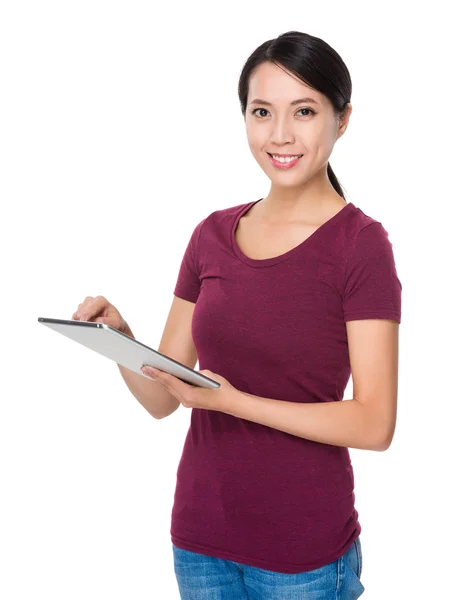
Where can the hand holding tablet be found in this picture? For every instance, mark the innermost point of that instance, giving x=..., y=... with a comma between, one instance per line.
x=103, y=329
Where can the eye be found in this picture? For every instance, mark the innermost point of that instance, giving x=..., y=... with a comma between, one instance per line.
x=309, y=109
x=253, y=112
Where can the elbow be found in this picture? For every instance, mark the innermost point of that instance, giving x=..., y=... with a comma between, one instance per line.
x=381, y=431
x=166, y=414
x=159, y=417
x=383, y=441
x=380, y=447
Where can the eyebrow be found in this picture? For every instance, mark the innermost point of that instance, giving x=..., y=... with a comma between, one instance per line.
x=299, y=101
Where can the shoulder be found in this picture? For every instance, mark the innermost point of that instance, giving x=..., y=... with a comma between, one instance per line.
x=369, y=256
x=221, y=219
x=364, y=231
x=230, y=212
x=359, y=219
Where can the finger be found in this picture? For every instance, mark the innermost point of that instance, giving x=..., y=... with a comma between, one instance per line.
x=82, y=307
x=170, y=382
x=85, y=304
x=93, y=309
x=155, y=374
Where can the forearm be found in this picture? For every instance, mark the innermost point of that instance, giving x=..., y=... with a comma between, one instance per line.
x=152, y=395
x=345, y=423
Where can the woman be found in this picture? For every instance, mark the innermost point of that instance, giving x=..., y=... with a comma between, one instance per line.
x=288, y=295
x=292, y=291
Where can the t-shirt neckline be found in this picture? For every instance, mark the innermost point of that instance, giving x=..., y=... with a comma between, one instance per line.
x=267, y=262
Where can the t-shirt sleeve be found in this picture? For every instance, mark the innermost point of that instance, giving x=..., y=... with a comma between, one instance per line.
x=372, y=289
x=188, y=283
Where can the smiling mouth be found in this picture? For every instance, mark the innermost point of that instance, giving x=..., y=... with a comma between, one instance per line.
x=285, y=162
x=285, y=155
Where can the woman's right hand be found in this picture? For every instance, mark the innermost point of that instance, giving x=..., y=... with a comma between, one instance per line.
x=100, y=310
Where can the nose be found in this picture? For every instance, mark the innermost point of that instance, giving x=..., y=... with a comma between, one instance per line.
x=282, y=132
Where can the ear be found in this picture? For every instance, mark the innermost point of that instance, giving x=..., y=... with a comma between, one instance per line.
x=344, y=120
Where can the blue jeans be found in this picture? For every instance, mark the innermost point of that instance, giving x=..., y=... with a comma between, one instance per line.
x=202, y=577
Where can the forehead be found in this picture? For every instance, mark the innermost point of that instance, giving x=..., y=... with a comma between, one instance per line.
x=278, y=86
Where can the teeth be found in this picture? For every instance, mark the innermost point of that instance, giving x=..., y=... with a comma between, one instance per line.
x=285, y=159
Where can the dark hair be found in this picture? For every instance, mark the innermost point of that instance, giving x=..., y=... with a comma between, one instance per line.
x=314, y=62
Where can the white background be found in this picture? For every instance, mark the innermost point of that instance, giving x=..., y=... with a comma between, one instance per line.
x=121, y=130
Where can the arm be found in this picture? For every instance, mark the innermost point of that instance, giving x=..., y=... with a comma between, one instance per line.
x=152, y=395
x=343, y=423
x=367, y=421
x=177, y=343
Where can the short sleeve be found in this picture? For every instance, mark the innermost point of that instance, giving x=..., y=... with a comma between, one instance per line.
x=372, y=289
x=188, y=283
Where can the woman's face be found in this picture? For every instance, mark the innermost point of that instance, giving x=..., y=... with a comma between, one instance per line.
x=282, y=128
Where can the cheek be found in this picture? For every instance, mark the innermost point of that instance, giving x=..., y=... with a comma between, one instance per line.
x=318, y=143
x=327, y=137
x=256, y=135
x=254, y=145
x=257, y=152
x=257, y=143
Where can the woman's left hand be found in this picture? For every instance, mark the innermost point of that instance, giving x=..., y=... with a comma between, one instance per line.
x=192, y=396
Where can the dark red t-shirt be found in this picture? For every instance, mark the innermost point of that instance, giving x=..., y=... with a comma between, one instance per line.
x=276, y=328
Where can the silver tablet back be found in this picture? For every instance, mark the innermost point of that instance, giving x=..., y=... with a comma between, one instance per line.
x=124, y=350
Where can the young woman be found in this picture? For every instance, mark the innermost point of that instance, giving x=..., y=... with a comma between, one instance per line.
x=280, y=299
x=292, y=292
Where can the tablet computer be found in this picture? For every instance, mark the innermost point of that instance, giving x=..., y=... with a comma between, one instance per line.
x=125, y=350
